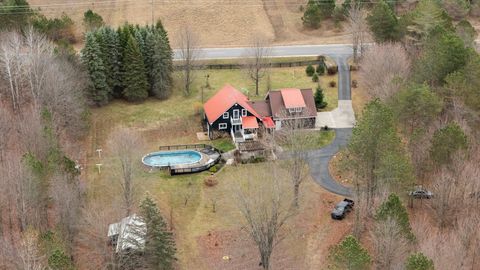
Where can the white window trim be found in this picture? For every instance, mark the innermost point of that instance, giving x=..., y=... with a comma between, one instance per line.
x=222, y=126
x=299, y=109
x=233, y=114
x=225, y=115
x=244, y=112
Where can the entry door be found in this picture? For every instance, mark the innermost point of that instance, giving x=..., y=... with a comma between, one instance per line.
x=236, y=114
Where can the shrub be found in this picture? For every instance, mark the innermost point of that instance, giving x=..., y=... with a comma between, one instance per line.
x=310, y=70
x=315, y=78
x=210, y=182
x=320, y=99
x=59, y=260
x=56, y=28
x=198, y=108
x=418, y=261
x=92, y=20
x=332, y=70
x=332, y=84
x=354, y=83
x=213, y=169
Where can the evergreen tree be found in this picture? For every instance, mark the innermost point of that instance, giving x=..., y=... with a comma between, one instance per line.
x=418, y=261
x=394, y=209
x=320, y=98
x=326, y=7
x=444, y=53
x=160, y=244
x=428, y=14
x=91, y=56
x=92, y=20
x=383, y=23
x=111, y=52
x=312, y=15
x=446, y=142
x=162, y=67
x=135, y=79
x=376, y=154
x=350, y=255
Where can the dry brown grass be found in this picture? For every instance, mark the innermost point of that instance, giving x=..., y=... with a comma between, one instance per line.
x=219, y=23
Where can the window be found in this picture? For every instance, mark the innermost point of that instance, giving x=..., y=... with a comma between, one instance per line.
x=291, y=110
x=244, y=112
x=225, y=115
x=299, y=109
x=222, y=126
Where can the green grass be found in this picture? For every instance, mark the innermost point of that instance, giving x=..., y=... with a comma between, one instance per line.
x=315, y=139
x=223, y=144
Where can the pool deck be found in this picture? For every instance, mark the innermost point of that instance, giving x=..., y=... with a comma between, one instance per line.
x=209, y=157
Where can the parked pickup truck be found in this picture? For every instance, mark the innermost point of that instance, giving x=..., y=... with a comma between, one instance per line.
x=342, y=208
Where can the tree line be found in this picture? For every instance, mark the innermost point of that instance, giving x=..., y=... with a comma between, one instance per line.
x=132, y=63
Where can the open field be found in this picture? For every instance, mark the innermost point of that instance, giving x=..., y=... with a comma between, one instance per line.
x=218, y=23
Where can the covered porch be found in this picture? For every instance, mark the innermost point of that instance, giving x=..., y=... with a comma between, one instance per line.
x=244, y=130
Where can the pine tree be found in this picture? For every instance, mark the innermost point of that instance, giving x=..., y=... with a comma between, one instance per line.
x=162, y=68
x=320, y=98
x=135, y=79
x=350, y=255
x=326, y=7
x=418, y=261
x=383, y=23
x=91, y=57
x=312, y=15
x=160, y=245
x=394, y=208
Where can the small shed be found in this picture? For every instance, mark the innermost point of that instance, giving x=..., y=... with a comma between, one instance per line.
x=128, y=234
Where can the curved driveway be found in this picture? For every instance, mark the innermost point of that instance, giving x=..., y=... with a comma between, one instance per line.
x=318, y=160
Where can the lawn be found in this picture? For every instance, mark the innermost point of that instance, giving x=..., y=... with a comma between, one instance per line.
x=202, y=235
x=314, y=139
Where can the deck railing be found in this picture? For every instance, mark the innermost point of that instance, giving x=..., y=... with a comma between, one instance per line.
x=185, y=146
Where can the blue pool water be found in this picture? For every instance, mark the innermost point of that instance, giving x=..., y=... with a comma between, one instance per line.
x=160, y=159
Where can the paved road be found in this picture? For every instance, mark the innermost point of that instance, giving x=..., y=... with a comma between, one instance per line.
x=319, y=159
x=333, y=50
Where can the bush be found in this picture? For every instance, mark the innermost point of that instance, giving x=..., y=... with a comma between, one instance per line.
x=310, y=70
x=315, y=78
x=213, y=169
x=92, y=20
x=198, y=108
x=56, y=28
x=59, y=260
x=320, y=99
x=332, y=84
x=332, y=70
x=210, y=182
x=354, y=83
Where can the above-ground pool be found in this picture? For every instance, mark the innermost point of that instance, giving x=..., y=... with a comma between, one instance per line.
x=163, y=159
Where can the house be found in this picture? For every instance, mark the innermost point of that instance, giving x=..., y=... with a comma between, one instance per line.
x=128, y=234
x=229, y=110
x=292, y=104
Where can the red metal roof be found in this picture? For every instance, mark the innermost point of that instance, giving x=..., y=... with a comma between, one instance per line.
x=224, y=100
x=249, y=122
x=292, y=98
x=268, y=122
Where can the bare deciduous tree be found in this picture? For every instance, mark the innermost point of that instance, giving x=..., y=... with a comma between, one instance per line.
x=264, y=203
x=93, y=248
x=11, y=67
x=357, y=27
x=125, y=146
x=390, y=244
x=295, y=139
x=382, y=69
x=5, y=128
x=189, y=52
x=257, y=60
